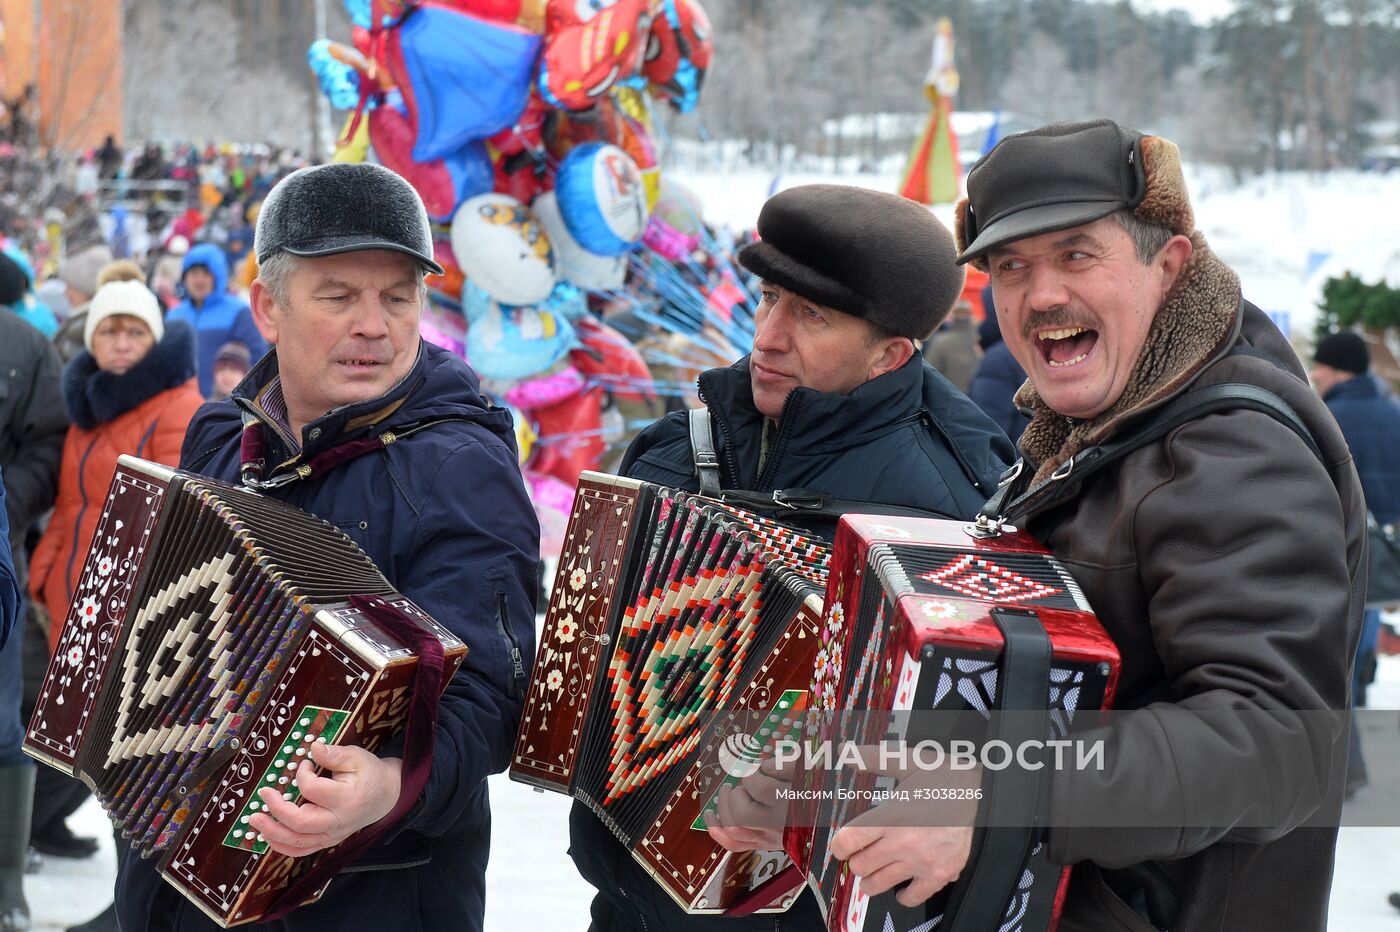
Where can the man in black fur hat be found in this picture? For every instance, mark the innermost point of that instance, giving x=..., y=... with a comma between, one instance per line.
x=833, y=401
x=1221, y=548
x=354, y=418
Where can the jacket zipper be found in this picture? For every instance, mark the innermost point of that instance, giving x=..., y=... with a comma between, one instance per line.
x=718, y=417
x=934, y=424
x=517, y=660
x=779, y=441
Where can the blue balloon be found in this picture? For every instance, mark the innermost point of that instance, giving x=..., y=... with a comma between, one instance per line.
x=471, y=173
x=595, y=225
x=469, y=78
x=339, y=82
x=506, y=343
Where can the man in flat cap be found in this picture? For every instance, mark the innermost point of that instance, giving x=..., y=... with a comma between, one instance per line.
x=1222, y=549
x=353, y=418
x=834, y=407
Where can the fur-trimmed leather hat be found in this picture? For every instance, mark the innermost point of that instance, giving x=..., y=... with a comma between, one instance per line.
x=880, y=257
x=1064, y=175
x=342, y=207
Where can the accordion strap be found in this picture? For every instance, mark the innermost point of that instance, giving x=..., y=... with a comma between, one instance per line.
x=417, y=751
x=702, y=448
x=1012, y=795
x=811, y=502
x=1007, y=506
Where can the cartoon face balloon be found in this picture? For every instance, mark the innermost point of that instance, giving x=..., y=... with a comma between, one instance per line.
x=503, y=250
x=589, y=45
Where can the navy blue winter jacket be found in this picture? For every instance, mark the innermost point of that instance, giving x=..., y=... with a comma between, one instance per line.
x=994, y=383
x=444, y=515
x=907, y=438
x=1370, y=423
x=222, y=318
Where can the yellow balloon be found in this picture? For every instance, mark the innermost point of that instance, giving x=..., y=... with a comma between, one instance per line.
x=525, y=435
x=356, y=147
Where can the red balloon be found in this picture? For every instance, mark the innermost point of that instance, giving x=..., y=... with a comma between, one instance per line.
x=589, y=46
x=668, y=46
x=608, y=356
x=570, y=436
x=391, y=134
x=527, y=132
x=517, y=176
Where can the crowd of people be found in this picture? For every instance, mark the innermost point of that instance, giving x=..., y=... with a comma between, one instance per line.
x=126, y=317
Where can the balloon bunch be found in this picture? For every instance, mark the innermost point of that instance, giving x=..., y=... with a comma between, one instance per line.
x=527, y=127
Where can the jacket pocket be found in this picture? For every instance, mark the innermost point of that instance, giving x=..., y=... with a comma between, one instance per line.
x=1140, y=898
x=512, y=643
x=356, y=529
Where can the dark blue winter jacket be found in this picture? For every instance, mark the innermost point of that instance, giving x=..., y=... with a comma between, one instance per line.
x=907, y=438
x=222, y=318
x=1370, y=423
x=444, y=514
x=994, y=384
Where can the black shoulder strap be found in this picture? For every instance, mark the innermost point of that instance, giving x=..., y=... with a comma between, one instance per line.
x=1194, y=404
x=702, y=449
x=816, y=504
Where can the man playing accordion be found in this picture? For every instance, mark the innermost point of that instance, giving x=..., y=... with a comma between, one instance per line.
x=353, y=418
x=833, y=407
x=1224, y=557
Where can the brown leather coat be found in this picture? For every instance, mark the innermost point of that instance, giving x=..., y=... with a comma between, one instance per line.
x=1227, y=562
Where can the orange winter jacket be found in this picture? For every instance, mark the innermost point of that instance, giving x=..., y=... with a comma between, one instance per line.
x=104, y=427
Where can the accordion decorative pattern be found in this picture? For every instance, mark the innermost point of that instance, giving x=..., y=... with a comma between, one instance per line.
x=210, y=622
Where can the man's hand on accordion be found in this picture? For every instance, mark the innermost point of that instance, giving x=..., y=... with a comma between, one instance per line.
x=359, y=790
x=750, y=815
x=920, y=835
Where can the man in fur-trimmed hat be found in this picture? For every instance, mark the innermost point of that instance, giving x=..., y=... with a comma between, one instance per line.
x=833, y=408
x=352, y=417
x=1224, y=554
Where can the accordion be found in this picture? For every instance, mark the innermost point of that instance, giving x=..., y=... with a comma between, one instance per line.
x=918, y=615
x=673, y=616
x=214, y=635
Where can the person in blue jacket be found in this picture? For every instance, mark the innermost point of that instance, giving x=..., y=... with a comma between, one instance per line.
x=353, y=418
x=998, y=375
x=834, y=403
x=216, y=316
x=1370, y=422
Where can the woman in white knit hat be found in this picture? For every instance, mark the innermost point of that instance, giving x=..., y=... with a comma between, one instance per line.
x=131, y=390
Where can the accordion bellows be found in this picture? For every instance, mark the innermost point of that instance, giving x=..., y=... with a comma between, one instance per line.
x=670, y=614
x=211, y=640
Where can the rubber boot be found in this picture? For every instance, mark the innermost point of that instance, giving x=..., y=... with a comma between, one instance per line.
x=16, y=797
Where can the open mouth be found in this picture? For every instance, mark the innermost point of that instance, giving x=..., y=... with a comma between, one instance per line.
x=360, y=363
x=1068, y=346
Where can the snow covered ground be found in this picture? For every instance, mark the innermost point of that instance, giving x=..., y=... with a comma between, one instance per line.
x=1284, y=235
x=532, y=885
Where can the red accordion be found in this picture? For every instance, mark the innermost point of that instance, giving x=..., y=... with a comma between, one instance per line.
x=915, y=621
x=213, y=636
x=668, y=609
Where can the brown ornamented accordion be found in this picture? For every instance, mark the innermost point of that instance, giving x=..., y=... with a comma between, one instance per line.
x=918, y=614
x=669, y=608
x=213, y=636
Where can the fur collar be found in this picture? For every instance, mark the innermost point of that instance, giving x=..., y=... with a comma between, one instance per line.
x=95, y=397
x=1197, y=322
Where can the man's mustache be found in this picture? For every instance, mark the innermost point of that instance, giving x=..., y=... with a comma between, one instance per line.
x=1056, y=318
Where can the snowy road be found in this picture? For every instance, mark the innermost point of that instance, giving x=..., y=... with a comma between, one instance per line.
x=532, y=884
